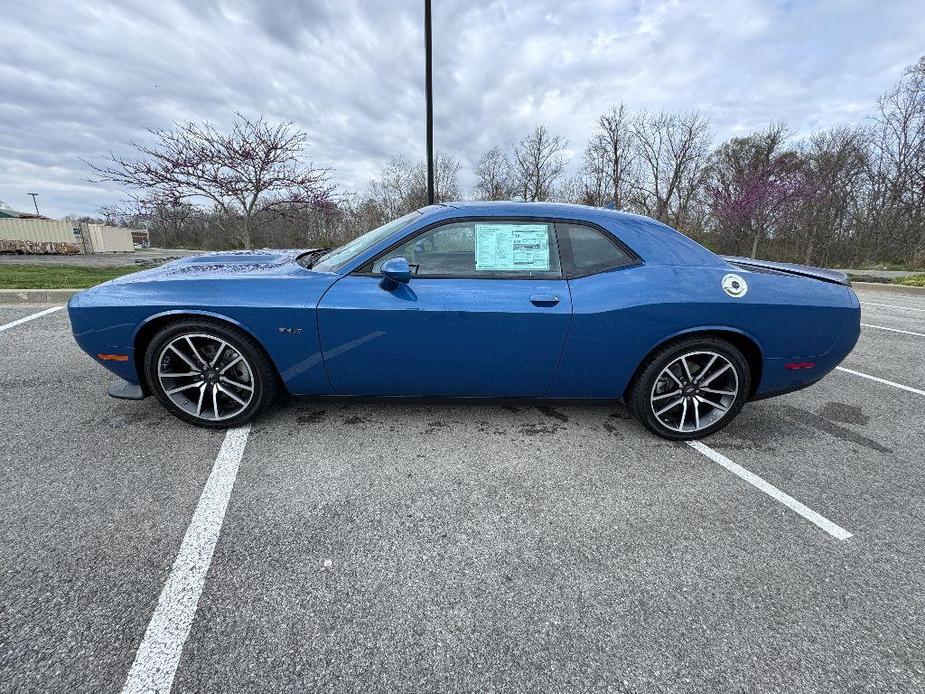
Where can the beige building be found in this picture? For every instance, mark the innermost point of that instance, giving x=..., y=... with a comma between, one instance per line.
x=106, y=239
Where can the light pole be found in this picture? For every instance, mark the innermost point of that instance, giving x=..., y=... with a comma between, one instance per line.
x=429, y=95
x=34, y=196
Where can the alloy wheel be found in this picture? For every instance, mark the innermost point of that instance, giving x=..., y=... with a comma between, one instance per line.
x=694, y=391
x=205, y=376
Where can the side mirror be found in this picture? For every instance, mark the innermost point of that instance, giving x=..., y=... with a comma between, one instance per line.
x=395, y=271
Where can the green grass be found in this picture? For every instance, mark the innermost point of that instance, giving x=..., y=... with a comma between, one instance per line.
x=911, y=280
x=917, y=280
x=58, y=276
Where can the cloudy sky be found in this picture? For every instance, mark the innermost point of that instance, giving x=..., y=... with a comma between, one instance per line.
x=80, y=78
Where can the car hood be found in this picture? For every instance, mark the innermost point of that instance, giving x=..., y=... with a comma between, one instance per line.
x=224, y=265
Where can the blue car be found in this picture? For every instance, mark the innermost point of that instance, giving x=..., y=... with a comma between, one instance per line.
x=481, y=300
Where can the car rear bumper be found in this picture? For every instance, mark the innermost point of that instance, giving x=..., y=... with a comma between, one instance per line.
x=787, y=375
x=784, y=391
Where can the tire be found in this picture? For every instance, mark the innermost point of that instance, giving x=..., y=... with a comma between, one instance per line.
x=210, y=374
x=705, y=402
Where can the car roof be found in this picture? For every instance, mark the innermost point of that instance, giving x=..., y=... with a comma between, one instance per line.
x=540, y=209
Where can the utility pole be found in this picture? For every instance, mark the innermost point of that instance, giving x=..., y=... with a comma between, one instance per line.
x=429, y=94
x=34, y=196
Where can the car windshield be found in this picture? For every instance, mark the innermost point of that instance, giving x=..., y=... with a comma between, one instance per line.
x=336, y=259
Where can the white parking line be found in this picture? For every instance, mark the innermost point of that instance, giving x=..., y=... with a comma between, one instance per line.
x=893, y=330
x=907, y=308
x=13, y=324
x=158, y=655
x=831, y=528
x=881, y=380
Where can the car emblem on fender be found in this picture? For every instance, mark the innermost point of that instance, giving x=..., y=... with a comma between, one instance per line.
x=734, y=286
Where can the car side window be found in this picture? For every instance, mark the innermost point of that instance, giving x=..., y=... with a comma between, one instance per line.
x=480, y=248
x=591, y=250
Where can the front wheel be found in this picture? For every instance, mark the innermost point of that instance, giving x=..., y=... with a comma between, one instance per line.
x=691, y=388
x=209, y=374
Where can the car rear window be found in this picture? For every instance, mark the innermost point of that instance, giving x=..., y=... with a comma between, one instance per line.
x=590, y=250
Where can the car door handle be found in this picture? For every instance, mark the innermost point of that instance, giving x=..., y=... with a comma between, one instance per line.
x=544, y=299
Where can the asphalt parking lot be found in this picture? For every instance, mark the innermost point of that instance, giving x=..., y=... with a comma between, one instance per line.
x=454, y=548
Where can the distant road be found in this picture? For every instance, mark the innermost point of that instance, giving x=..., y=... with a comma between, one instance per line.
x=887, y=274
x=98, y=259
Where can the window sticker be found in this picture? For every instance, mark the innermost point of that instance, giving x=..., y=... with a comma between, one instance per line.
x=511, y=247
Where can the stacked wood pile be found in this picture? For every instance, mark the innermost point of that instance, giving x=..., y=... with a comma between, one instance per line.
x=38, y=247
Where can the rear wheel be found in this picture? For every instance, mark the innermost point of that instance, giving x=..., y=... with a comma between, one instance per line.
x=209, y=374
x=691, y=388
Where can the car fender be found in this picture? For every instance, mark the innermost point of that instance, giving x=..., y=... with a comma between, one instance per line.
x=703, y=329
x=194, y=312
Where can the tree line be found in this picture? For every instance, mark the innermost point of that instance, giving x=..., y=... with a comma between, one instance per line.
x=847, y=196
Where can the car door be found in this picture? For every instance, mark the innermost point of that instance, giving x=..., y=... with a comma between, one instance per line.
x=485, y=314
x=614, y=321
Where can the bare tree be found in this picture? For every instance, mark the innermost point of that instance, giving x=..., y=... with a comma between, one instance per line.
x=538, y=163
x=402, y=185
x=897, y=169
x=247, y=174
x=672, y=151
x=609, y=160
x=834, y=165
x=591, y=185
x=495, y=176
x=393, y=191
x=578, y=190
x=446, y=179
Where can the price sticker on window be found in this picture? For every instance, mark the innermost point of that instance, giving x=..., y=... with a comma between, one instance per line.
x=511, y=247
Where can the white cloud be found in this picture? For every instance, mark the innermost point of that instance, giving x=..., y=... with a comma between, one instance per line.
x=79, y=79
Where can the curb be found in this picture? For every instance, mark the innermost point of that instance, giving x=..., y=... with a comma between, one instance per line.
x=36, y=296
x=889, y=288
